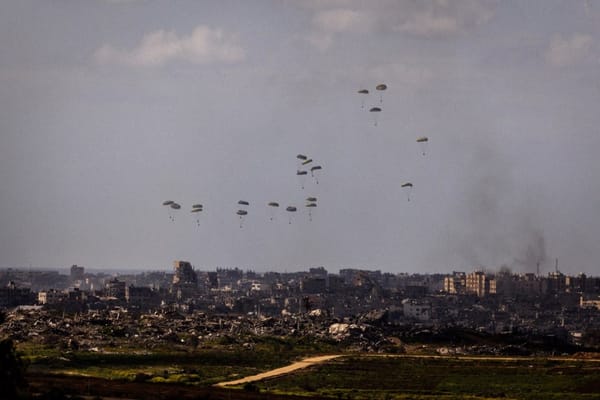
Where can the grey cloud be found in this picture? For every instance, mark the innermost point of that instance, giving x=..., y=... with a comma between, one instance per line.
x=567, y=51
x=203, y=46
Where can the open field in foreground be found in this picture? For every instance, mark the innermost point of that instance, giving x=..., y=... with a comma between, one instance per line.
x=178, y=374
x=420, y=378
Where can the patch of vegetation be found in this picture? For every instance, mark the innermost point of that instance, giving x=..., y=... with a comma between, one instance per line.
x=373, y=377
x=226, y=358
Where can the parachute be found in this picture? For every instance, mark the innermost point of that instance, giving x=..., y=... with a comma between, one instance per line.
x=273, y=206
x=300, y=158
x=381, y=87
x=375, y=111
x=363, y=93
x=291, y=210
x=169, y=203
x=172, y=206
x=314, y=174
x=407, y=188
x=423, y=140
x=197, y=208
x=242, y=214
x=301, y=177
x=305, y=162
x=311, y=209
x=311, y=199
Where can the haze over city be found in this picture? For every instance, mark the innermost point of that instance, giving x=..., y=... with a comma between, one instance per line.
x=110, y=107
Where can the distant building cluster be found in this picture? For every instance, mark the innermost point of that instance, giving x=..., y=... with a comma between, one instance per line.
x=489, y=302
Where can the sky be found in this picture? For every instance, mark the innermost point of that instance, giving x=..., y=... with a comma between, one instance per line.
x=108, y=108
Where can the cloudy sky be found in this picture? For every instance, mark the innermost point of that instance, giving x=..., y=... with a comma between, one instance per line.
x=110, y=107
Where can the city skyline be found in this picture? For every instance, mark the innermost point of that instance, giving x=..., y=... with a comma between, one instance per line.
x=110, y=108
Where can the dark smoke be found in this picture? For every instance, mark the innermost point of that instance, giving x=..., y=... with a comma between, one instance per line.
x=500, y=223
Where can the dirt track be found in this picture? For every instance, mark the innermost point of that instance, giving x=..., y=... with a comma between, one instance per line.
x=307, y=362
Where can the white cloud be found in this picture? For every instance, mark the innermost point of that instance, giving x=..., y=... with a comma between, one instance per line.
x=340, y=20
x=563, y=52
x=203, y=46
x=435, y=18
x=322, y=41
x=427, y=24
x=328, y=23
x=422, y=18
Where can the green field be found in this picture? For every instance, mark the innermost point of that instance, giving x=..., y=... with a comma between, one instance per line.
x=220, y=361
x=376, y=377
x=350, y=377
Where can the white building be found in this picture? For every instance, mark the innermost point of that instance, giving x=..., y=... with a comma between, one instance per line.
x=416, y=309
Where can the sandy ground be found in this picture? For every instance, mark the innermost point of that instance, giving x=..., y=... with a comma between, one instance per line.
x=307, y=362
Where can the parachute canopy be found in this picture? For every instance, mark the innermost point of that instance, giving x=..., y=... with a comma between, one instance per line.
x=299, y=172
x=381, y=86
x=197, y=206
x=307, y=161
x=195, y=210
x=316, y=168
x=407, y=184
x=311, y=199
x=243, y=203
x=375, y=109
x=311, y=205
x=423, y=143
x=273, y=204
x=242, y=212
x=168, y=202
x=363, y=91
x=291, y=209
x=175, y=206
x=301, y=157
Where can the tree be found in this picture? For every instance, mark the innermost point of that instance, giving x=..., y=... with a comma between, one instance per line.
x=12, y=368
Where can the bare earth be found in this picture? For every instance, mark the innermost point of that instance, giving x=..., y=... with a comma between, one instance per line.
x=307, y=362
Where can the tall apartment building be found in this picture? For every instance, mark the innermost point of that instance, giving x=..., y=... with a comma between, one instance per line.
x=185, y=280
x=184, y=274
x=478, y=283
x=455, y=283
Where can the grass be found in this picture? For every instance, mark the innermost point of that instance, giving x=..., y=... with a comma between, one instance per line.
x=351, y=377
x=433, y=378
x=223, y=359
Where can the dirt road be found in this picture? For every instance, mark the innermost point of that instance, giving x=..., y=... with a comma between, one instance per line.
x=307, y=362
